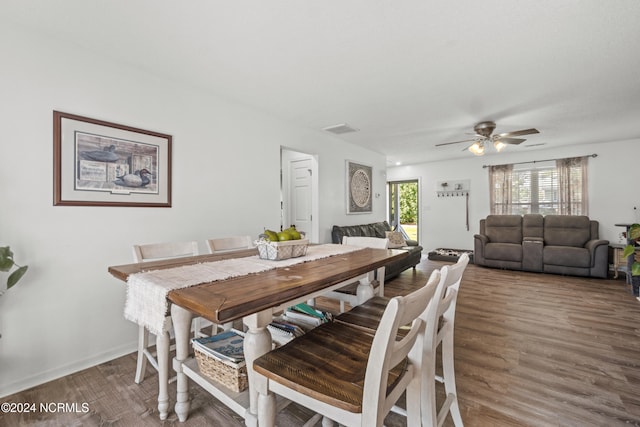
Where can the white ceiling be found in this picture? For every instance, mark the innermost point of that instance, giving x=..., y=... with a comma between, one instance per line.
x=409, y=74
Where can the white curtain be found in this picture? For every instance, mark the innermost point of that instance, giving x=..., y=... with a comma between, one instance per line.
x=569, y=182
x=573, y=198
x=500, y=189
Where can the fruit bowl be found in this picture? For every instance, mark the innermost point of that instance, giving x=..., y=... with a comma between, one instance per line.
x=276, y=251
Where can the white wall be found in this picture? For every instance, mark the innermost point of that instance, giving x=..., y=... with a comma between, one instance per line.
x=66, y=313
x=612, y=190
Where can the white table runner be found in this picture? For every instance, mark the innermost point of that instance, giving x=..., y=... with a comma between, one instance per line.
x=146, y=301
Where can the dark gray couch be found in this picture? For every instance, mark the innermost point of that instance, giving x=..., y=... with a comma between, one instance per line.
x=560, y=244
x=379, y=229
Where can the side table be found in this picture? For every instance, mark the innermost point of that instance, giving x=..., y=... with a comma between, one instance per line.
x=619, y=262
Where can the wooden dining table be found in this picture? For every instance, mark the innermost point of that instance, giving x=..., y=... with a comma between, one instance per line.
x=254, y=298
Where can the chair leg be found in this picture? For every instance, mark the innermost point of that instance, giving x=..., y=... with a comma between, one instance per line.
x=413, y=403
x=201, y=328
x=266, y=401
x=141, y=364
x=197, y=327
x=428, y=408
x=328, y=422
x=450, y=376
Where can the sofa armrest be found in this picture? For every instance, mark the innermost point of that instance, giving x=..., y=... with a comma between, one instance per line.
x=337, y=233
x=411, y=242
x=482, y=238
x=479, y=241
x=591, y=245
x=599, y=250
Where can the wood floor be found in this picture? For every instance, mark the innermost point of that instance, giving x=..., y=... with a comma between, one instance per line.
x=531, y=350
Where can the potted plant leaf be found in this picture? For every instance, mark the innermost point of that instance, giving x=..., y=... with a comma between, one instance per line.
x=633, y=235
x=7, y=264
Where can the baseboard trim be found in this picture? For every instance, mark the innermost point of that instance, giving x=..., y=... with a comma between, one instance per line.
x=61, y=371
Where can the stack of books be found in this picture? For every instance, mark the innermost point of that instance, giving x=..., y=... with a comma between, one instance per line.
x=305, y=316
x=283, y=331
x=226, y=346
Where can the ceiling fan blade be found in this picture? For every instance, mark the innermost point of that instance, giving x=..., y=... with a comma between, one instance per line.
x=514, y=141
x=454, y=142
x=519, y=133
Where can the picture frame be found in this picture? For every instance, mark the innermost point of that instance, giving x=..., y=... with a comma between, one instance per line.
x=359, y=188
x=99, y=163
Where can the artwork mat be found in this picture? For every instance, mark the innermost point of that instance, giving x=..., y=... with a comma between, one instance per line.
x=354, y=207
x=67, y=163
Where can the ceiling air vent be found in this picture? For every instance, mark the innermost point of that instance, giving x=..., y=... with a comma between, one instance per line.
x=340, y=129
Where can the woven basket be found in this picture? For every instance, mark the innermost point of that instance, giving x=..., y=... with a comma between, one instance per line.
x=231, y=375
x=276, y=251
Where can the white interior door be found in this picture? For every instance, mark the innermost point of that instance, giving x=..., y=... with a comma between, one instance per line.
x=301, y=185
x=300, y=192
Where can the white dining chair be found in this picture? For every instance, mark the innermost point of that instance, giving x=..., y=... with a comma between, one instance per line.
x=347, y=374
x=439, y=320
x=348, y=294
x=439, y=329
x=225, y=244
x=154, y=252
x=229, y=244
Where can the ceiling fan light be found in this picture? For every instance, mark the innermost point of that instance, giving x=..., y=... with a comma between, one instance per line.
x=499, y=145
x=477, y=148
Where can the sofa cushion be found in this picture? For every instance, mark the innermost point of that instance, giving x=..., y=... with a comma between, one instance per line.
x=396, y=239
x=565, y=230
x=376, y=229
x=532, y=226
x=504, y=228
x=566, y=256
x=503, y=251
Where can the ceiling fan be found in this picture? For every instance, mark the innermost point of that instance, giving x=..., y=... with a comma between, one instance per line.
x=483, y=137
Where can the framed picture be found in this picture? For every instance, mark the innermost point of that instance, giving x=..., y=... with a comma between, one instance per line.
x=97, y=163
x=359, y=188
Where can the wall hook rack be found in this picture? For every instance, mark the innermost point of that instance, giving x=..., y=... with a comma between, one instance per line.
x=459, y=188
x=461, y=193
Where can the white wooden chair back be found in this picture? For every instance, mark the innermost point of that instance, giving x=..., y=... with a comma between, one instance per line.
x=223, y=244
x=387, y=352
x=439, y=319
x=152, y=252
x=158, y=251
x=378, y=287
x=366, y=242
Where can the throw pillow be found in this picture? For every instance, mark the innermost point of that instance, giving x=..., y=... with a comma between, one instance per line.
x=396, y=240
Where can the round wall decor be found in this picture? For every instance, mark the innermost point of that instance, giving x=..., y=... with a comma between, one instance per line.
x=359, y=188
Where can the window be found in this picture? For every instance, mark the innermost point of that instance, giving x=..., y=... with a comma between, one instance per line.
x=550, y=187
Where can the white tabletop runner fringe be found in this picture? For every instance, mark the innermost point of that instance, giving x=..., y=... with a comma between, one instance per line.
x=146, y=302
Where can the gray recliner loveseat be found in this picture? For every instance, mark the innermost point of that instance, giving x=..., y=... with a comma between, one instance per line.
x=560, y=244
